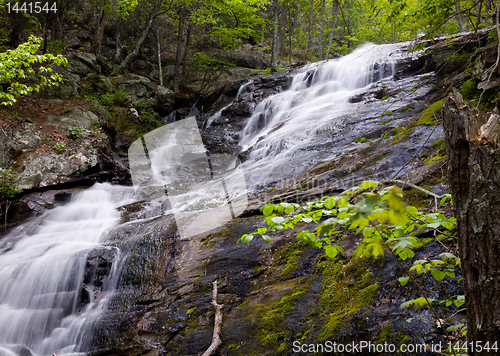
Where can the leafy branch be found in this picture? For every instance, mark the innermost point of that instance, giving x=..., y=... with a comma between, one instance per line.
x=17, y=64
x=382, y=217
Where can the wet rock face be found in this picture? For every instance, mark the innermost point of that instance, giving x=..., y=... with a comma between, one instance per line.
x=272, y=293
x=223, y=134
x=276, y=293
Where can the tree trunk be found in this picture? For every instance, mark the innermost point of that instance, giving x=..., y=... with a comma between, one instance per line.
x=118, y=53
x=335, y=12
x=320, y=44
x=290, y=30
x=458, y=14
x=309, y=33
x=178, y=52
x=274, y=50
x=282, y=32
x=487, y=13
x=159, y=57
x=186, y=48
x=478, y=13
x=473, y=166
x=141, y=40
x=101, y=33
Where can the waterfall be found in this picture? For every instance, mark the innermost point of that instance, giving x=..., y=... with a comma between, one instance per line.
x=42, y=268
x=309, y=120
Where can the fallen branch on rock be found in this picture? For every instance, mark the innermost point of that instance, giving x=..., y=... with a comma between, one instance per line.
x=216, y=341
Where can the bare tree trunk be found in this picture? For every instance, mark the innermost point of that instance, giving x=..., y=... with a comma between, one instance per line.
x=101, y=33
x=487, y=12
x=45, y=35
x=282, y=32
x=320, y=44
x=141, y=40
x=118, y=53
x=309, y=33
x=186, y=48
x=159, y=56
x=274, y=50
x=335, y=12
x=178, y=52
x=479, y=6
x=98, y=17
x=473, y=166
x=458, y=14
x=290, y=30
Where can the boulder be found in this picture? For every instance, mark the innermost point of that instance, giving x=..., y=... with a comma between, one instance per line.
x=246, y=58
x=135, y=89
x=77, y=39
x=83, y=64
x=165, y=100
x=75, y=117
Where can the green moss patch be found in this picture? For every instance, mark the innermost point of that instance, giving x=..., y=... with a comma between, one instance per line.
x=346, y=289
x=391, y=337
x=430, y=115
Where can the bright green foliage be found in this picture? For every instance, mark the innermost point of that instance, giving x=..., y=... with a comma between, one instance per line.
x=379, y=213
x=231, y=20
x=8, y=179
x=462, y=328
x=17, y=64
x=76, y=132
x=60, y=147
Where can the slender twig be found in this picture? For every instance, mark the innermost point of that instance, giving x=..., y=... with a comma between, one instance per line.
x=397, y=181
x=455, y=313
x=424, y=295
x=416, y=153
x=216, y=341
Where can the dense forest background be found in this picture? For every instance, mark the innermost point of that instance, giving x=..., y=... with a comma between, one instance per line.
x=191, y=38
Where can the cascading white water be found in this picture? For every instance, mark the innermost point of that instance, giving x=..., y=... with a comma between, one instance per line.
x=314, y=110
x=42, y=266
x=241, y=90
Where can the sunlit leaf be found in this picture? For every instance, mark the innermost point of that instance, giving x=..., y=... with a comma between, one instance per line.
x=403, y=280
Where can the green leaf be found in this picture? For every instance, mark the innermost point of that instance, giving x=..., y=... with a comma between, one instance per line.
x=412, y=210
x=360, y=223
x=437, y=274
x=329, y=203
x=375, y=249
x=266, y=238
x=434, y=225
x=331, y=251
x=367, y=184
x=455, y=327
x=268, y=209
x=403, y=280
x=419, y=302
x=246, y=238
x=460, y=301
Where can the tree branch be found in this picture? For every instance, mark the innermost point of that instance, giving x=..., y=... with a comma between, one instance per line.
x=216, y=341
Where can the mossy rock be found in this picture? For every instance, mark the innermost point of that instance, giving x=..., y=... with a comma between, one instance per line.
x=345, y=291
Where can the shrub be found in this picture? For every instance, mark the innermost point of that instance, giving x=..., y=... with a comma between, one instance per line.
x=60, y=147
x=76, y=132
x=8, y=180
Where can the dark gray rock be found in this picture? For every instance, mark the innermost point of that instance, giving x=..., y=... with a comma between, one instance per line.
x=82, y=63
x=246, y=58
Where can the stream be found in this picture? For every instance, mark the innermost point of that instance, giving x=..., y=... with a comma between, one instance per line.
x=49, y=302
